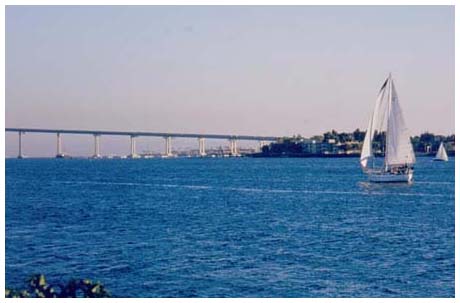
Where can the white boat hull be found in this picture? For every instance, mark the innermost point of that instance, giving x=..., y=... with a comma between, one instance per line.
x=389, y=177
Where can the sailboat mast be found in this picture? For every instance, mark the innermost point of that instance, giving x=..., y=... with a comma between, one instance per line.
x=387, y=134
x=371, y=129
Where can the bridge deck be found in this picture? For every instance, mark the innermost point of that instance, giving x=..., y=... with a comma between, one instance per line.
x=140, y=134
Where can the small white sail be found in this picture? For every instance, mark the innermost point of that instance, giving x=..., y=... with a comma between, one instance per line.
x=441, y=155
x=366, y=153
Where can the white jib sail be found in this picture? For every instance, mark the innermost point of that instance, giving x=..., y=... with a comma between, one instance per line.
x=441, y=154
x=376, y=124
x=399, y=149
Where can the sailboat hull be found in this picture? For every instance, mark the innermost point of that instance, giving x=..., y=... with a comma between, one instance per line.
x=390, y=178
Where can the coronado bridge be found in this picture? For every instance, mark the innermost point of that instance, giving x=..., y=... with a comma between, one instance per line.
x=233, y=139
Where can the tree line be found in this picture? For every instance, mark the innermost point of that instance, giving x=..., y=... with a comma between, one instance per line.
x=343, y=142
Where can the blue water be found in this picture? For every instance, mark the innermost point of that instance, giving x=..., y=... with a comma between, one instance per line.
x=231, y=227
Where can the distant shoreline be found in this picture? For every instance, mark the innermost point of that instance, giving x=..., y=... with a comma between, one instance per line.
x=256, y=155
x=262, y=155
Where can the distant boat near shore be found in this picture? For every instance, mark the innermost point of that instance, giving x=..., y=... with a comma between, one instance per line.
x=441, y=155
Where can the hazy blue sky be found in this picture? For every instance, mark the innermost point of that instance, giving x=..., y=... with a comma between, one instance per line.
x=234, y=70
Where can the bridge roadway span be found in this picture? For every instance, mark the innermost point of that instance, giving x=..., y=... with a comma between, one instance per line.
x=141, y=134
x=133, y=135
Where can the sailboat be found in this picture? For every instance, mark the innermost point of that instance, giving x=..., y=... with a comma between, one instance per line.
x=387, y=123
x=441, y=155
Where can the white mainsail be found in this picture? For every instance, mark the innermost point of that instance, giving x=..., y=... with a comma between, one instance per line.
x=441, y=154
x=387, y=117
x=399, y=149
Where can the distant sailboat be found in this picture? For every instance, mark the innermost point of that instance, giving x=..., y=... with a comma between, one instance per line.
x=388, y=122
x=441, y=155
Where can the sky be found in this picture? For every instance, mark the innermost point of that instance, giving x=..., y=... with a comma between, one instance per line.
x=255, y=70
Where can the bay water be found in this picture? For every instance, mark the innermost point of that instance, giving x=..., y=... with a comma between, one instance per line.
x=231, y=227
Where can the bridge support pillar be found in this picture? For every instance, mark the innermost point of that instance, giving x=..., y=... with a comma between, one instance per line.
x=20, y=155
x=96, y=146
x=233, y=148
x=202, y=149
x=168, y=147
x=133, y=147
x=59, y=153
